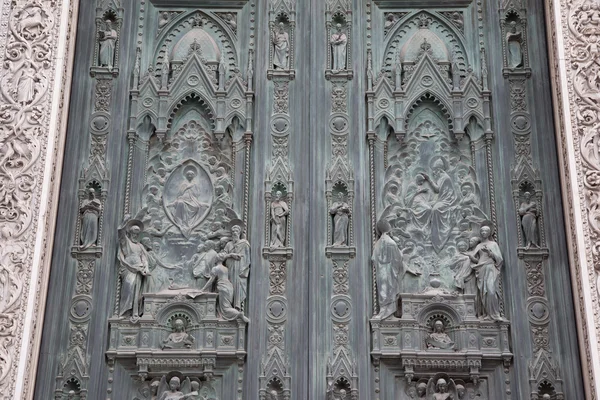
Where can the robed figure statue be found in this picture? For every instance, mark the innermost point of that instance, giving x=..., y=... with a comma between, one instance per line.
x=133, y=266
x=387, y=260
x=487, y=260
x=90, y=214
x=239, y=266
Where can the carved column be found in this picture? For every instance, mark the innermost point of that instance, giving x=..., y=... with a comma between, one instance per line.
x=94, y=179
x=275, y=377
x=36, y=45
x=342, y=376
x=573, y=43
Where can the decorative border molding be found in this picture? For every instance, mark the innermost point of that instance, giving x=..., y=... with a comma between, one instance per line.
x=572, y=53
x=33, y=125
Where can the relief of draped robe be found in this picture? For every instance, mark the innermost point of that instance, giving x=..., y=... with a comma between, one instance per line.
x=90, y=211
x=388, y=262
x=108, y=40
x=187, y=209
x=338, y=47
x=239, y=270
x=488, y=261
x=441, y=221
x=225, y=290
x=281, y=49
x=134, y=265
x=528, y=211
x=340, y=211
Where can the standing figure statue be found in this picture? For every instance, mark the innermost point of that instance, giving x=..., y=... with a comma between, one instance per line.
x=238, y=263
x=279, y=213
x=515, y=50
x=529, y=215
x=341, y=218
x=133, y=266
x=338, y=42
x=487, y=260
x=90, y=215
x=108, y=43
x=388, y=264
x=281, y=48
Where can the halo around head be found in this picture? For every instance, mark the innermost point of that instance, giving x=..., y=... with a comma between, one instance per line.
x=489, y=224
x=190, y=168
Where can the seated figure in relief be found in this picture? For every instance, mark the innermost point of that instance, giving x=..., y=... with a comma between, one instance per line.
x=439, y=339
x=179, y=338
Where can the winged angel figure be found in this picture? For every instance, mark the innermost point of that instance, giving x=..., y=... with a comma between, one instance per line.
x=440, y=388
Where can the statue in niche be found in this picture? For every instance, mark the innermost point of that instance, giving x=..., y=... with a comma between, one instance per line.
x=487, y=260
x=187, y=209
x=441, y=390
x=219, y=283
x=441, y=207
x=108, y=41
x=179, y=338
x=339, y=42
x=279, y=213
x=529, y=215
x=174, y=390
x=439, y=339
x=90, y=215
x=24, y=83
x=340, y=210
x=388, y=263
x=238, y=262
x=134, y=266
x=514, y=47
x=281, y=47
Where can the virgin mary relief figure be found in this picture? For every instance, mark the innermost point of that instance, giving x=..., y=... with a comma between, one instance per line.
x=187, y=210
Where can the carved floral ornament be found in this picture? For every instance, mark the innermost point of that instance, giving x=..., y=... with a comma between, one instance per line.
x=582, y=22
x=25, y=82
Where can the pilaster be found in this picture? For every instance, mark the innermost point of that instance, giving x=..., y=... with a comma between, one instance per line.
x=37, y=40
x=573, y=48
